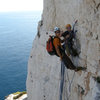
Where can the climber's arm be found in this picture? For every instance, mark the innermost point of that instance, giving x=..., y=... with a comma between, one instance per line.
x=74, y=25
x=58, y=51
x=63, y=40
x=57, y=45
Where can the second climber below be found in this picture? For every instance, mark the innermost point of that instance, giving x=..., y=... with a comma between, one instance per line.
x=61, y=53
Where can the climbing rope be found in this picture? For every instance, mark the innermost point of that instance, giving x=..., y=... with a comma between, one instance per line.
x=62, y=81
x=70, y=83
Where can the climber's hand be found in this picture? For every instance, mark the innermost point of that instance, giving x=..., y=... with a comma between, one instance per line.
x=67, y=36
x=76, y=21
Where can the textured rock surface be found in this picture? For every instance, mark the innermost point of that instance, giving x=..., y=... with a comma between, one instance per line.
x=44, y=70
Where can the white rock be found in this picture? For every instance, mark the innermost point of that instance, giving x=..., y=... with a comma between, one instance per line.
x=44, y=71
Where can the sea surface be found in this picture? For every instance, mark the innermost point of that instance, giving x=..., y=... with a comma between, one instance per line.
x=17, y=32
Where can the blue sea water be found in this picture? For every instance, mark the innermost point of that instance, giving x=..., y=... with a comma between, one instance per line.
x=17, y=32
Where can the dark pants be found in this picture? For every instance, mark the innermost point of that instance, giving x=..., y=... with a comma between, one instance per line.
x=70, y=50
x=68, y=63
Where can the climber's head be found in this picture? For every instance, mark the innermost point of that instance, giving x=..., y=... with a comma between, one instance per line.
x=57, y=31
x=68, y=27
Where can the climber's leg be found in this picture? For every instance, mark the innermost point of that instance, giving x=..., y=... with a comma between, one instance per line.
x=62, y=80
x=67, y=50
x=68, y=63
x=80, y=68
x=74, y=52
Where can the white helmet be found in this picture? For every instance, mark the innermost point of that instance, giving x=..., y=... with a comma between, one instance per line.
x=56, y=29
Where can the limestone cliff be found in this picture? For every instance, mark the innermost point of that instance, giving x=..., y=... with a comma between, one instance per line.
x=44, y=71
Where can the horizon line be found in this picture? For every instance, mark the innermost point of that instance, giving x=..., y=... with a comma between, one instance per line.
x=21, y=11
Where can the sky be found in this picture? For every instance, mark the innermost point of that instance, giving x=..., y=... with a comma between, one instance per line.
x=21, y=5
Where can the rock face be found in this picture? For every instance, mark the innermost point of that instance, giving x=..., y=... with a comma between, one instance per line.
x=43, y=78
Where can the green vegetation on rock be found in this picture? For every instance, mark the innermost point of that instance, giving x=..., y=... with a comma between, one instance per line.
x=19, y=94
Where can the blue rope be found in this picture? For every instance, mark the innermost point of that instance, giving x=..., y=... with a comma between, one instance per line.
x=62, y=80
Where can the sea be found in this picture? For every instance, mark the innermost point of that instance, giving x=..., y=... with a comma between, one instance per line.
x=17, y=32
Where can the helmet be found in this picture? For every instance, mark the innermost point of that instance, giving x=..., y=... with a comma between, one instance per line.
x=68, y=25
x=56, y=29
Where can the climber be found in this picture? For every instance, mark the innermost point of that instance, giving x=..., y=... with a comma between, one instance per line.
x=61, y=53
x=69, y=35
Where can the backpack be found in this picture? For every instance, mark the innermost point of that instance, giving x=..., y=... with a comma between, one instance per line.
x=50, y=47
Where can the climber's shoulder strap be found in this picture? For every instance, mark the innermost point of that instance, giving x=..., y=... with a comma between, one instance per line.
x=55, y=37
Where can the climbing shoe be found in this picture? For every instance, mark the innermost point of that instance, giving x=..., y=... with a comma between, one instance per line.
x=80, y=69
x=97, y=79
